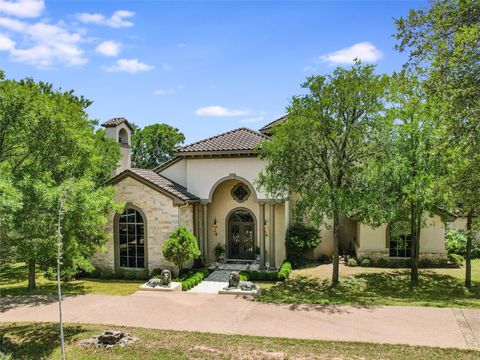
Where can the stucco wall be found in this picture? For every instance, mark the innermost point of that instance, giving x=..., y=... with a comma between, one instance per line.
x=223, y=203
x=162, y=217
x=373, y=241
x=200, y=175
x=177, y=172
x=125, y=151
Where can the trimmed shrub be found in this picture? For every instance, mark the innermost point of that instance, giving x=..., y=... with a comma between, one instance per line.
x=300, y=238
x=352, y=262
x=193, y=279
x=282, y=274
x=180, y=247
x=456, y=260
x=284, y=271
x=365, y=262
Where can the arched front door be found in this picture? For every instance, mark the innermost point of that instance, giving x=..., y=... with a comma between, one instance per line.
x=241, y=235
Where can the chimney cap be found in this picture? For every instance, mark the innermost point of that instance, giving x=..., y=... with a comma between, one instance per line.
x=114, y=122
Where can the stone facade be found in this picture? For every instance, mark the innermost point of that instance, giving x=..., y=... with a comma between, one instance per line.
x=161, y=218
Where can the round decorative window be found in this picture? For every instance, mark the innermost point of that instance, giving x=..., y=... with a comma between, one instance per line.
x=240, y=192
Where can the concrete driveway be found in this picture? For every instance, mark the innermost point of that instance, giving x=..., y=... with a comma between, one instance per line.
x=234, y=315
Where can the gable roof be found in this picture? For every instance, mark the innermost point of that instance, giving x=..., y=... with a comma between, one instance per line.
x=114, y=122
x=241, y=140
x=157, y=182
x=267, y=129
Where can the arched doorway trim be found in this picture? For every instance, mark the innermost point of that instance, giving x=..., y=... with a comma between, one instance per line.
x=240, y=236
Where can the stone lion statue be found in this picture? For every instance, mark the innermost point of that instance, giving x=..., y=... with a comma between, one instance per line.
x=233, y=279
x=153, y=283
x=165, y=278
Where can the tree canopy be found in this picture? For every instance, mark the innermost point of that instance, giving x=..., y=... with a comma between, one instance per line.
x=154, y=144
x=320, y=152
x=47, y=142
x=443, y=44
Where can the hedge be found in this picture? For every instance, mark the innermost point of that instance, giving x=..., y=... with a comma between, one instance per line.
x=281, y=275
x=194, y=279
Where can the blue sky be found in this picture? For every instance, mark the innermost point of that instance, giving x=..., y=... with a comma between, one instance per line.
x=204, y=67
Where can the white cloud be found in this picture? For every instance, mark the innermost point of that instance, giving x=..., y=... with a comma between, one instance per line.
x=365, y=51
x=253, y=119
x=181, y=45
x=109, y=48
x=117, y=20
x=169, y=91
x=6, y=44
x=131, y=66
x=22, y=8
x=220, y=111
x=48, y=44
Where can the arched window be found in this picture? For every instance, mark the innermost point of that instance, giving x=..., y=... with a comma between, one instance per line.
x=123, y=137
x=131, y=239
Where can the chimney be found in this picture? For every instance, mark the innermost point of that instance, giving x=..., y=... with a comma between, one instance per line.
x=121, y=130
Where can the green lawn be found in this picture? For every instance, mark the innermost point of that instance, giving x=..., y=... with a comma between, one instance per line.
x=40, y=340
x=376, y=286
x=13, y=281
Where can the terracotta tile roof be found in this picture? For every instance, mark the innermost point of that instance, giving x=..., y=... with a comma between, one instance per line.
x=234, y=140
x=113, y=122
x=164, y=183
x=267, y=129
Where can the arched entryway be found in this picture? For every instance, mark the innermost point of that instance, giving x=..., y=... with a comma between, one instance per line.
x=241, y=242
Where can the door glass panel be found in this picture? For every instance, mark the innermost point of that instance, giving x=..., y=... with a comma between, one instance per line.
x=241, y=237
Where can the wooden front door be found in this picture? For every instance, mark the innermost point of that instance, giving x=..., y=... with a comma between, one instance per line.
x=241, y=235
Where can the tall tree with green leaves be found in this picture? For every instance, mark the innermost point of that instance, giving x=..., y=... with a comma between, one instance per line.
x=154, y=144
x=443, y=44
x=46, y=141
x=405, y=170
x=321, y=150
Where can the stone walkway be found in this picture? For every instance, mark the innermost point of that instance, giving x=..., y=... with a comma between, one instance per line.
x=216, y=281
x=228, y=314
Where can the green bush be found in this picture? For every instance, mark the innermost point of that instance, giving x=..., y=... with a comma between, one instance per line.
x=156, y=272
x=352, y=262
x=284, y=271
x=300, y=238
x=456, y=243
x=456, y=259
x=193, y=279
x=180, y=247
x=365, y=262
x=281, y=275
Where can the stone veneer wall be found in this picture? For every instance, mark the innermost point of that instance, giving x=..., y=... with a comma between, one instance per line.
x=162, y=217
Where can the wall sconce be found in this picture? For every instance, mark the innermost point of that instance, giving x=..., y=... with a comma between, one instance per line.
x=266, y=228
x=215, y=227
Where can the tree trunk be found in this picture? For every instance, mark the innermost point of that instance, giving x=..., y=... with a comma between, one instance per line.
x=32, y=285
x=468, y=254
x=415, y=231
x=336, y=242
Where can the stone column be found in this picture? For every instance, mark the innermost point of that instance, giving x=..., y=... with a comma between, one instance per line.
x=205, y=233
x=196, y=226
x=271, y=236
x=261, y=230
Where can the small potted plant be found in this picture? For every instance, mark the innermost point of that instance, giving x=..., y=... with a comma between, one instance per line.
x=257, y=254
x=219, y=251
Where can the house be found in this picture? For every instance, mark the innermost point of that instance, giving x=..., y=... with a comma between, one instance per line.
x=209, y=187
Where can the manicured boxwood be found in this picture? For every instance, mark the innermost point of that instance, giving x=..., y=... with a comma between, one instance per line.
x=284, y=271
x=193, y=279
x=281, y=275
